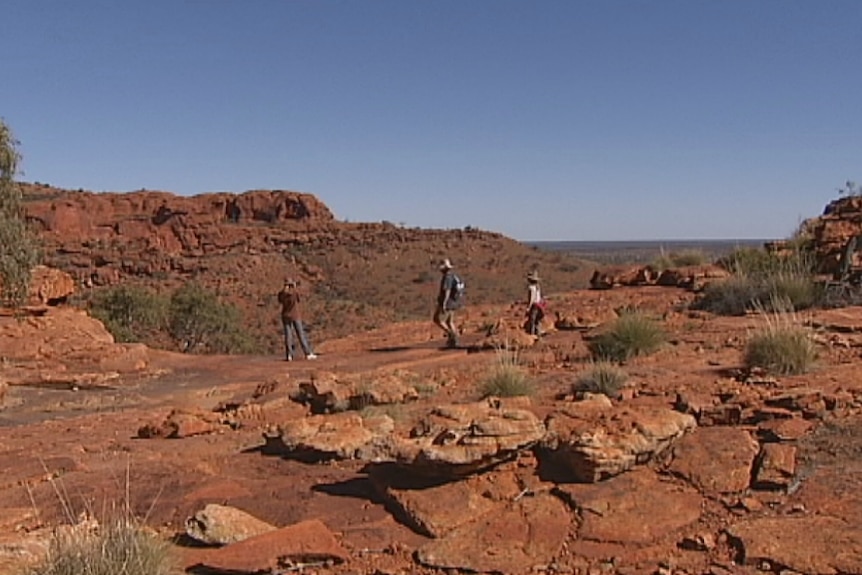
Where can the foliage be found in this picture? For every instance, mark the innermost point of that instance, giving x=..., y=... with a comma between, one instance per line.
x=759, y=275
x=678, y=259
x=118, y=546
x=630, y=335
x=507, y=378
x=18, y=250
x=130, y=313
x=601, y=377
x=201, y=323
x=782, y=346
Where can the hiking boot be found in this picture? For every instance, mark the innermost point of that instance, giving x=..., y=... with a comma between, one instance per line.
x=289, y=358
x=311, y=356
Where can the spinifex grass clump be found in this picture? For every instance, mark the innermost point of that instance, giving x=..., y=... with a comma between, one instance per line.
x=507, y=377
x=601, y=377
x=632, y=334
x=118, y=546
x=782, y=346
x=763, y=276
x=678, y=259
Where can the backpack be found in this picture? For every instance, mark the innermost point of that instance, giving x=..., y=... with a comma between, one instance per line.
x=456, y=292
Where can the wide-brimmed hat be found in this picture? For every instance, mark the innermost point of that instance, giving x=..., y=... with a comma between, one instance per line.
x=533, y=276
x=446, y=264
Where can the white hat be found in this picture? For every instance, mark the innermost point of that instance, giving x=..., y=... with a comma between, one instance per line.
x=446, y=264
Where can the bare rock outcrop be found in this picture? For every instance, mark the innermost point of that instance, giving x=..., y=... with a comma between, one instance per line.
x=716, y=459
x=594, y=439
x=809, y=544
x=632, y=508
x=457, y=440
x=344, y=435
x=526, y=533
x=330, y=393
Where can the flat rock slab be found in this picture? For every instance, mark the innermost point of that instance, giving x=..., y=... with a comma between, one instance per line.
x=529, y=532
x=434, y=508
x=302, y=543
x=814, y=544
x=715, y=459
x=636, y=507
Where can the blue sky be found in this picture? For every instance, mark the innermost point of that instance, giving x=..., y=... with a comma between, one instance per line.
x=543, y=120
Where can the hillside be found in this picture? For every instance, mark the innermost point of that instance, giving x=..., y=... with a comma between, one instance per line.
x=358, y=275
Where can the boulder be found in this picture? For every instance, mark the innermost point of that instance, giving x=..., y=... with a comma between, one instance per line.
x=49, y=286
x=329, y=393
x=715, y=459
x=325, y=437
x=458, y=440
x=223, y=525
x=609, y=277
x=776, y=466
x=594, y=440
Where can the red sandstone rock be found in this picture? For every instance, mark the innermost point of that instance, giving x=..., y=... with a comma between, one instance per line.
x=715, y=459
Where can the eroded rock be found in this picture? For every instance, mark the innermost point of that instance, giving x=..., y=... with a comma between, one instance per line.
x=715, y=459
x=275, y=551
x=223, y=525
x=528, y=532
x=635, y=507
x=336, y=436
x=595, y=440
x=813, y=544
x=457, y=440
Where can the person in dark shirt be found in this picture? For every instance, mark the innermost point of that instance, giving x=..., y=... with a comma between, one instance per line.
x=444, y=314
x=291, y=318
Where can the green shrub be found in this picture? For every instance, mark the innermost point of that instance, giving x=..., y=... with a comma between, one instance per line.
x=601, y=377
x=19, y=251
x=630, y=335
x=116, y=547
x=201, y=323
x=678, y=259
x=781, y=349
x=507, y=378
x=130, y=313
x=762, y=276
x=799, y=289
x=732, y=296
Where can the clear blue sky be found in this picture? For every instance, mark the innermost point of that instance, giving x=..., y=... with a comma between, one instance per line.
x=570, y=119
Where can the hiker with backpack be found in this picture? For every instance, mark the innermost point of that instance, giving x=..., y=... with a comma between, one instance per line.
x=535, y=303
x=449, y=299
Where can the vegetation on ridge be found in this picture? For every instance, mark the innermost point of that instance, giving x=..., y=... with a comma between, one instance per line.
x=18, y=250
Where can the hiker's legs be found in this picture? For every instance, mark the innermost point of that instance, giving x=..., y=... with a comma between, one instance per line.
x=451, y=332
x=534, y=318
x=303, y=340
x=288, y=340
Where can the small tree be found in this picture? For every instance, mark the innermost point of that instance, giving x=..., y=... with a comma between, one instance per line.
x=130, y=313
x=201, y=323
x=18, y=251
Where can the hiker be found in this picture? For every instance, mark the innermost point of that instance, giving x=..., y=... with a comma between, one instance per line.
x=448, y=300
x=291, y=318
x=535, y=305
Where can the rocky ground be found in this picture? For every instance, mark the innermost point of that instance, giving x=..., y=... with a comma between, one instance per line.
x=381, y=458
